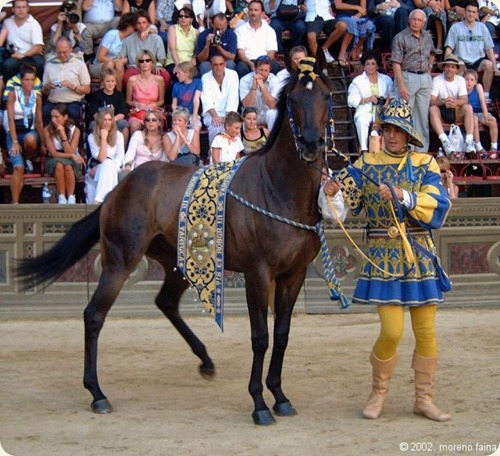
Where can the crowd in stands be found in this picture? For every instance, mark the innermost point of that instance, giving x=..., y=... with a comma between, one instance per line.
x=217, y=66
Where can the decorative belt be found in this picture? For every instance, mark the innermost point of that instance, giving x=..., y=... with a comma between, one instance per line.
x=415, y=72
x=393, y=233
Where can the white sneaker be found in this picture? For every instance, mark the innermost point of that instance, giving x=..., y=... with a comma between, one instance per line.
x=329, y=58
x=71, y=199
x=62, y=200
x=448, y=148
x=470, y=147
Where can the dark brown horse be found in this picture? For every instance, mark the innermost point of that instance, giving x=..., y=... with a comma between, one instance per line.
x=140, y=217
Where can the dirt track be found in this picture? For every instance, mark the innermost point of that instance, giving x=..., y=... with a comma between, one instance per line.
x=163, y=407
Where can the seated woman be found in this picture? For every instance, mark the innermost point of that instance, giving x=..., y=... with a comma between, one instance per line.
x=24, y=128
x=182, y=144
x=147, y=144
x=108, y=54
x=182, y=41
x=64, y=162
x=145, y=91
x=253, y=136
x=366, y=93
x=107, y=150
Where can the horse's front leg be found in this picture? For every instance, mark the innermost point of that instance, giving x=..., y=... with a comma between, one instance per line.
x=257, y=293
x=287, y=290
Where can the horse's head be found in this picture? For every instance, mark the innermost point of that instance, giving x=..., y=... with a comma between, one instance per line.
x=310, y=110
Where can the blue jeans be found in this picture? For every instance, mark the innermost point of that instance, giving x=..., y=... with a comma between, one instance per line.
x=297, y=27
x=18, y=160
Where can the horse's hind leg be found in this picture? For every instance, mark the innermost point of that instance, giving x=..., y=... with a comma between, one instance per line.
x=287, y=291
x=95, y=313
x=168, y=302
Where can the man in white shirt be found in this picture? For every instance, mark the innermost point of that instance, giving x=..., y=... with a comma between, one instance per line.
x=261, y=89
x=255, y=38
x=99, y=16
x=449, y=98
x=25, y=39
x=319, y=19
x=218, y=96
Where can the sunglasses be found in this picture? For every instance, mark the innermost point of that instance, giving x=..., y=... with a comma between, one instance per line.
x=144, y=60
x=151, y=119
x=184, y=16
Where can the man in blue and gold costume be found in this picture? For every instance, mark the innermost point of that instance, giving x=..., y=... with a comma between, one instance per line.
x=401, y=194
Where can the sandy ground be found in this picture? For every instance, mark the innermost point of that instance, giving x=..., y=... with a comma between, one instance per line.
x=163, y=407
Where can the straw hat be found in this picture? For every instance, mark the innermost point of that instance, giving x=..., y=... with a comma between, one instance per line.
x=451, y=59
x=398, y=113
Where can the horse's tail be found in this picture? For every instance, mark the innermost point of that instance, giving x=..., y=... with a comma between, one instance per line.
x=50, y=265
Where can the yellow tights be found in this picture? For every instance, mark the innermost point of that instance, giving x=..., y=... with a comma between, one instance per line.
x=391, y=330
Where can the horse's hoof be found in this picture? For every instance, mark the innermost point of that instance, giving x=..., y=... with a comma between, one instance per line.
x=284, y=409
x=208, y=373
x=263, y=418
x=102, y=406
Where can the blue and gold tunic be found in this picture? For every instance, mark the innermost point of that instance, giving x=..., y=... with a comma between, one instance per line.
x=419, y=174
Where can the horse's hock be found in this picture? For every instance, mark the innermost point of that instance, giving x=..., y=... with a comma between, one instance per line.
x=469, y=247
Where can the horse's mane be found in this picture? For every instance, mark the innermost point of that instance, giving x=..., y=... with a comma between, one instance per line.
x=283, y=110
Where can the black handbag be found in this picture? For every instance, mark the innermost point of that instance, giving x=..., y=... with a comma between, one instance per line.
x=287, y=12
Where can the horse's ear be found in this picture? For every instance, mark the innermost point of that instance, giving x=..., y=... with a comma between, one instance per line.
x=320, y=60
x=288, y=63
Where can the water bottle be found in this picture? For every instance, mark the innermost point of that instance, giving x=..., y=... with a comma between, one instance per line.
x=46, y=193
x=440, y=152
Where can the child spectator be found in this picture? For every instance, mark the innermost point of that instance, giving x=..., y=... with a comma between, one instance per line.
x=227, y=146
x=109, y=96
x=447, y=177
x=182, y=144
x=108, y=151
x=477, y=100
x=187, y=92
x=64, y=162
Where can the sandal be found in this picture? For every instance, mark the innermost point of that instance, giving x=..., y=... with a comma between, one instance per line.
x=343, y=63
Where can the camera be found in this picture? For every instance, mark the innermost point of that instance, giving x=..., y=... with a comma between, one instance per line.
x=217, y=39
x=381, y=101
x=73, y=18
x=12, y=48
x=58, y=84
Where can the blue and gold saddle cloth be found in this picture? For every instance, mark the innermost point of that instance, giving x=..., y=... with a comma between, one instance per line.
x=200, y=244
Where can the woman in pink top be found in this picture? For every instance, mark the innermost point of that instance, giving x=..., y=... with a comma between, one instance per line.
x=145, y=91
x=146, y=145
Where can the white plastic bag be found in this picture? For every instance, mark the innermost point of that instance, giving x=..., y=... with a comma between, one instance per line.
x=456, y=138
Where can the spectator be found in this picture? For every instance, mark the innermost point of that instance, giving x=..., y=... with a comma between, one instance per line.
x=297, y=53
x=182, y=41
x=491, y=16
x=255, y=38
x=69, y=24
x=219, y=39
x=261, y=89
x=411, y=60
x=449, y=103
x=107, y=97
x=182, y=144
x=135, y=44
x=99, y=16
x=145, y=91
x=164, y=13
x=147, y=144
x=219, y=95
x=368, y=92
x=471, y=42
x=132, y=6
x=390, y=17
x=187, y=92
x=253, y=136
x=66, y=79
x=24, y=129
x=107, y=150
x=447, y=177
x=24, y=39
x=64, y=162
x=319, y=19
x=435, y=11
x=357, y=27
x=15, y=81
x=296, y=25
x=227, y=146
x=456, y=13
x=477, y=101
x=109, y=52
